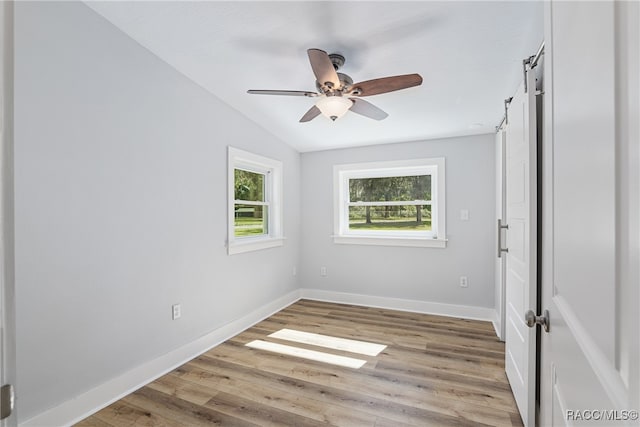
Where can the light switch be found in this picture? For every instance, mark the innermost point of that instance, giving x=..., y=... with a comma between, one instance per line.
x=176, y=311
x=464, y=214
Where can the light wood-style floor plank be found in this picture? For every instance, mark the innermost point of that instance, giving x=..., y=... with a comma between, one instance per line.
x=435, y=371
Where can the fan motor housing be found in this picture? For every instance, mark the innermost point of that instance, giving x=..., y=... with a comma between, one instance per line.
x=345, y=81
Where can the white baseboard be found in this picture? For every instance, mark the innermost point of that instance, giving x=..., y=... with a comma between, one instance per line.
x=82, y=406
x=426, y=307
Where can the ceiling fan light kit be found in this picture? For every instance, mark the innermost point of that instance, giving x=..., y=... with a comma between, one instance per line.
x=338, y=94
x=334, y=107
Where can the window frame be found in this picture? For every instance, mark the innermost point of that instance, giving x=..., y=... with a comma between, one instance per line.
x=435, y=238
x=273, y=188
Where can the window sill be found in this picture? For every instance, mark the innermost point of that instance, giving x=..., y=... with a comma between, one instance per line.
x=390, y=241
x=254, y=245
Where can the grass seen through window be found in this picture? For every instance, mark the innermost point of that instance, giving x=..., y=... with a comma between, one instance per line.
x=393, y=218
x=249, y=225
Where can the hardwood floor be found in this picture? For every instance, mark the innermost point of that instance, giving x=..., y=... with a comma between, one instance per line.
x=435, y=371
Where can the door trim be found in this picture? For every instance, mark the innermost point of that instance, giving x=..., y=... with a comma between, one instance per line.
x=604, y=370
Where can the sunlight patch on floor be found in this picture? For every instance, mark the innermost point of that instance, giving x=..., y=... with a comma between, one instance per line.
x=334, y=343
x=317, y=356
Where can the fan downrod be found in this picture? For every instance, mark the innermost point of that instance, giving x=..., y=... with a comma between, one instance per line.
x=337, y=60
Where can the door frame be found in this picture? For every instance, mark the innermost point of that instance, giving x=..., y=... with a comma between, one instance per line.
x=499, y=264
x=7, y=272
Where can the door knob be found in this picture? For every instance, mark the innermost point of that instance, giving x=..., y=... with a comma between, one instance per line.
x=531, y=319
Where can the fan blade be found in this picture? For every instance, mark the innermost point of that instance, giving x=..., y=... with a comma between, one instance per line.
x=323, y=68
x=367, y=109
x=283, y=92
x=311, y=114
x=385, y=84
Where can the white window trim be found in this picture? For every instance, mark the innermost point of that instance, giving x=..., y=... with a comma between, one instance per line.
x=433, y=166
x=273, y=192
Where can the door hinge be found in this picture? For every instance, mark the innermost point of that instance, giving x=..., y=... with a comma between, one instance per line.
x=7, y=401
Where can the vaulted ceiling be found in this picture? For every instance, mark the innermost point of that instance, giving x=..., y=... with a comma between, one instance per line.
x=469, y=54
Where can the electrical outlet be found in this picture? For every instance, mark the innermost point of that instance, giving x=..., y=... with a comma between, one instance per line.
x=323, y=271
x=176, y=312
x=294, y=271
x=464, y=282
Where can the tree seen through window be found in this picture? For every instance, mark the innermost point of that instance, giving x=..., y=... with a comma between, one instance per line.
x=377, y=203
x=250, y=206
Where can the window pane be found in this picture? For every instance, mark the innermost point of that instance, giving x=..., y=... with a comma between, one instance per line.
x=394, y=188
x=249, y=185
x=390, y=218
x=250, y=220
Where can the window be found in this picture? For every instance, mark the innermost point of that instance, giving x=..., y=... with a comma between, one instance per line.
x=399, y=203
x=255, y=202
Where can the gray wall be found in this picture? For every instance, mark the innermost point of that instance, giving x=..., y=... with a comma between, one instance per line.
x=120, y=174
x=423, y=274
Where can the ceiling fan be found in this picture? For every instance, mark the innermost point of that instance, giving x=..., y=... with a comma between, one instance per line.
x=338, y=94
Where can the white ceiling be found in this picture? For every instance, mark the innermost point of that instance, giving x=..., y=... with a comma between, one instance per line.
x=469, y=54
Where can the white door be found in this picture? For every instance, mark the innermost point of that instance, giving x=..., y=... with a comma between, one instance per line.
x=521, y=242
x=589, y=367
